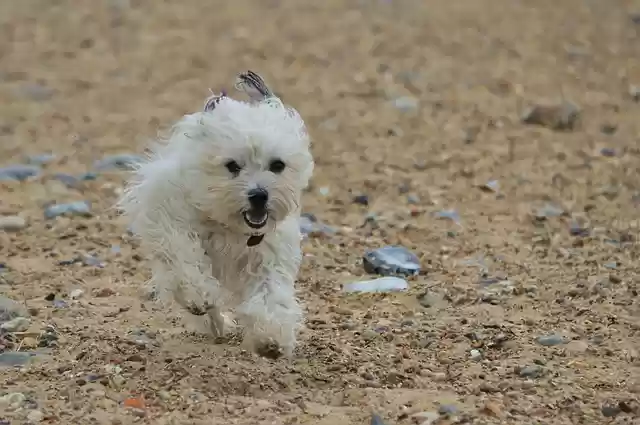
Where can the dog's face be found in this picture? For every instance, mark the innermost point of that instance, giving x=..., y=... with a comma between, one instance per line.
x=253, y=163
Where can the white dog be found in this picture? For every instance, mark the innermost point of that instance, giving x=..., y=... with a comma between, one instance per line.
x=217, y=208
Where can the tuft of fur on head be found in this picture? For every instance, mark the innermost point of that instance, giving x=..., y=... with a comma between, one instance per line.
x=233, y=172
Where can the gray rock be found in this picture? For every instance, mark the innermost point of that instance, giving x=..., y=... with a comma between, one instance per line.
x=15, y=358
x=19, y=172
x=310, y=226
x=562, y=116
x=383, y=284
x=532, y=371
x=12, y=223
x=609, y=411
x=376, y=420
x=548, y=210
x=10, y=309
x=448, y=410
x=121, y=161
x=391, y=260
x=79, y=208
x=41, y=159
x=406, y=103
x=17, y=324
x=449, y=215
x=35, y=91
x=67, y=179
x=550, y=340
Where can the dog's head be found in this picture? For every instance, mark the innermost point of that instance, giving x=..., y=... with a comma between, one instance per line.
x=252, y=159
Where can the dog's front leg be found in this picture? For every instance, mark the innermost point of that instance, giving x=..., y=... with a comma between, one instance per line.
x=271, y=316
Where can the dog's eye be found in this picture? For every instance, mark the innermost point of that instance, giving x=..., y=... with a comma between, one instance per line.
x=276, y=166
x=233, y=167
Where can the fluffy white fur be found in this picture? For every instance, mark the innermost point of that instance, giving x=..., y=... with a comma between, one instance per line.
x=186, y=207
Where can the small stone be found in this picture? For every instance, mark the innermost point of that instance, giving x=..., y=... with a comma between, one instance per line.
x=67, y=179
x=475, y=355
x=12, y=223
x=609, y=152
x=35, y=416
x=577, y=347
x=550, y=340
x=548, y=210
x=29, y=342
x=448, y=410
x=533, y=371
x=41, y=159
x=634, y=92
x=105, y=292
x=406, y=103
x=164, y=395
x=18, y=172
x=425, y=418
x=449, y=215
x=563, y=116
x=413, y=199
x=35, y=91
x=383, y=284
x=15, y=358
x=361, y=199
x=492, y=186
x=12, y=401
x=18, y=324
x=610, y=411
x=10, y=309
x=121, y=161
x=310, y=226
x=79, y=208
x=376, y=420
x=391, y=260
x=75, y=294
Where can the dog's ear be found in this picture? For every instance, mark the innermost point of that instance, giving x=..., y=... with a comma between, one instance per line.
x=213, y=101
x=254, y=86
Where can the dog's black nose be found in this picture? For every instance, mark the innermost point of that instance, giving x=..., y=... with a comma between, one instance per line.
x=258, y=198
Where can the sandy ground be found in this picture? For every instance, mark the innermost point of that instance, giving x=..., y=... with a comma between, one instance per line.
x=416, y=105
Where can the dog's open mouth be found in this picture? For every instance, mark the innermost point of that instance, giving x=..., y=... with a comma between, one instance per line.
x=255, y=220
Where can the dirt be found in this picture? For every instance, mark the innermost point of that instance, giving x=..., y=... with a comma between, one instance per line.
x=418, y=106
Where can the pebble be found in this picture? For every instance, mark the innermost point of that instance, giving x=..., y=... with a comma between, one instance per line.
x=383, y=284
x=448, y=410
x=15, y=358
x=548, y=210
x=533, y=371
x=391, y=260
x=121, y=161
x=67, y=179
x=17, y=324
x=406, y=103
x=75, y=294
x=309, y=225
x=35, y=91
x=12, y=223
x=634, y=92
x=79, y=208
x=361, y=200
x=608, y=152
x=562, y=116
x=41, y=159
x=550, y=340
x=12, y=401
x=491, y=186
x=35, y=416
x=18, y=172
x=610, y=411
x=425, y=418
x=475, y=355
x=376, y=420
x=10, y=309
x=449, y=215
